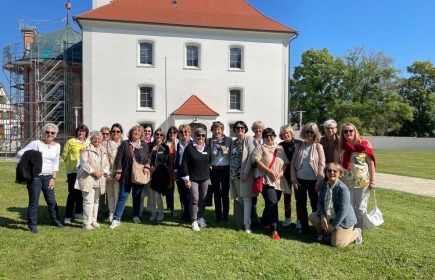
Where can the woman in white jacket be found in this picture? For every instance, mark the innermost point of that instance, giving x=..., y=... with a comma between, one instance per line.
x=91, y=179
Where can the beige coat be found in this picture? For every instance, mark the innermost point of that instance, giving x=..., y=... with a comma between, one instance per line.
x=111, y=148
x=90, y=162
x=245, y=187
x=317, y=161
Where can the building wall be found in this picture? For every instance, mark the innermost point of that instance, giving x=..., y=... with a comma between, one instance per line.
x=111, y=74
x=401, y=143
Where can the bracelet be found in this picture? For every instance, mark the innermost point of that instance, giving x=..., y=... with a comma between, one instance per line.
x=53, y=178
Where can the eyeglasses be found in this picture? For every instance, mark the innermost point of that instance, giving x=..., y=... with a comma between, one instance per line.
x=116, y=131
x=332, y=171
x=172, y=132
x=183, y=132
x=348, y=131
x=269, y=136
x=200, y=135
x=239, y=127
x=309, y=132
x=105, y=133
x=330, y=128
x=158, y=135
x=50, y=132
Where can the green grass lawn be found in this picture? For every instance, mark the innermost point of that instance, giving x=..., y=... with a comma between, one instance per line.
x=407, y=163
x=402, y=248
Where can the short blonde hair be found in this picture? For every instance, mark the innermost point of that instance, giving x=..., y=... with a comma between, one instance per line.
x=315, y=129
x=257, y=124
x=136, y=127
x=185, y=127
x=284, y=129
x=104, y=128
x=334, y=165
x=217, y=124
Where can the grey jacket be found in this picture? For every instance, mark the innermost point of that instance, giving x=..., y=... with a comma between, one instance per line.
x=344, y=214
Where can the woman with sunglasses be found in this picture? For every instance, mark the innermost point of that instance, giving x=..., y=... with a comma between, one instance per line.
x=112, y=186
x=137, y=148
x=241, y=174
x=159, y=152
x=196, y=173
x=172, y=143
x=307, y=171
x=335, y=214
x=358, y=161
x=184, y=131
x=71, y=155
x=45, y=180
x=272, y=164
x=103, y=207
x=220, y=171
x=257, y=128
x=148, y=138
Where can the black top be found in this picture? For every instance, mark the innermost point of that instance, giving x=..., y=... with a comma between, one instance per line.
x=160, y=160
x=289, y=149
x=124, y=161
x=196, y=164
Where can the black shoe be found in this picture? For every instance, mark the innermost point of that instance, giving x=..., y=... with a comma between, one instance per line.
x=218, y=220
x=171, y=213
x=33, y=230
x=225, y=220
x=58, y=224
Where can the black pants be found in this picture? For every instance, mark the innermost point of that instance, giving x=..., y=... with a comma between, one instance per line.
x=74, y=197
x=220, y=182
x=34, y=189
x=184, y=193
x=301, y=199
x=270, y=214
x=170, y=197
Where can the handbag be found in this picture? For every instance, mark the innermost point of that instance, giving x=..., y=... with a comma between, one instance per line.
x=257, y=185
x=374, y=218
x=137, y=174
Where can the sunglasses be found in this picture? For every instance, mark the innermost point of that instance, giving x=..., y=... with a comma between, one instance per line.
x=239, y=127
x=172, y=132
x=158, y=134
x=105, y=133
x=200, y=135
x=332, y=171
x=183, y=132
x=348, y=131
x=50, y=132
x=269, y=136
x=116, y=131
x=309, y=132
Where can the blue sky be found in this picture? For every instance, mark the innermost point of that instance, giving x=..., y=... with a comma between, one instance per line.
x=401, y=29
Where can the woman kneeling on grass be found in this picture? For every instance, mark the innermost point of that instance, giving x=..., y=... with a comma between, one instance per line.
x=91, y=179
x=335, y=214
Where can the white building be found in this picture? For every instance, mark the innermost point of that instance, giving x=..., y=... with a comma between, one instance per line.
x=172, y=62
x=9, y=122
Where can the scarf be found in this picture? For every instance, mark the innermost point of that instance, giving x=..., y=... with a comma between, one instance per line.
x=359, y=148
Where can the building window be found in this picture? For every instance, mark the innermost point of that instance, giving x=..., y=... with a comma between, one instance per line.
x=146, y=97
x=193, y=56
x=236, y=58
x=146, y=53
x=236, y=99
x=232, y=133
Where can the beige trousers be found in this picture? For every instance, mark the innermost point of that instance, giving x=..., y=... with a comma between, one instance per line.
x=112, y=192
x=341, y=237
x=90, y=206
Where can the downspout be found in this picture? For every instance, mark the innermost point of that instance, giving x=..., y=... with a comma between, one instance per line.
x=288, y=78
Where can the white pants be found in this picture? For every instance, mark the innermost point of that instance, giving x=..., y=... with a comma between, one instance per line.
x=90, y=206
x=245, y=201
x=155, y=197
x=112, y=191
x=358, y=199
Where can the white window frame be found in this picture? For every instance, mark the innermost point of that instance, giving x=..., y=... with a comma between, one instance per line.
x=192, y=44
x=146, y=109
x=153, y=53
x=231, y=132
x=242, y=63
x=242, y=98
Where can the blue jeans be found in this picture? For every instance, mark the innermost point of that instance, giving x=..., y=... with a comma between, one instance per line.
x=124, y=193
x=34, y=188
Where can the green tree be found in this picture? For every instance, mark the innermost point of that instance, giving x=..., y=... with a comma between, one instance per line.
x=419, y=91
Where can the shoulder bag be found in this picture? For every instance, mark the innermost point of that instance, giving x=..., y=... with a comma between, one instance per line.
x=257, y=185
x=137, y=174
x=374, y=218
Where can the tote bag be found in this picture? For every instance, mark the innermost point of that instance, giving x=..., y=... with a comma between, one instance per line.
x=137, y=175
x=374, y=218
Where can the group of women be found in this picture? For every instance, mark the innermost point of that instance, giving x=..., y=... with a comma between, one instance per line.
x=336, y=172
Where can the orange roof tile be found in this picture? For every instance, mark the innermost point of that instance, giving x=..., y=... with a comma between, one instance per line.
x=229, y=14
x=194, y=107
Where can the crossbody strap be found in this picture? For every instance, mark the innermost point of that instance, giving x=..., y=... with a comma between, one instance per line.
x=131, y=152
x=274, y=157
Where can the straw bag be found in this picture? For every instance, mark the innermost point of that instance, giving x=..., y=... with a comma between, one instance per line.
x=137, y=174
x=374, y=218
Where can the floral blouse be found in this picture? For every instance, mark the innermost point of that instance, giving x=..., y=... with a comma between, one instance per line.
x=236, y=159
x=358, y=175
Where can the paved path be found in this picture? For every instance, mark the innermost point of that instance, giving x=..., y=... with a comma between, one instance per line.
x=406, y=184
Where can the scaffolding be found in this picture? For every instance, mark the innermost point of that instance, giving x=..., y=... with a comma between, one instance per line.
x=42, y=88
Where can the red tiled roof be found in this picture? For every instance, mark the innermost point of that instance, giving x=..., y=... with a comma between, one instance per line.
x=230, y=14
x=194, y=107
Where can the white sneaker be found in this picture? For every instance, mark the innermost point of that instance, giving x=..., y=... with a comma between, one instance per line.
x=287, y=222
x=202, y=223
x=79, y=216
x=298, y=224
x=95, y=225
x=67, y=221
x=160, y=217
x=248, y=229
x=153, y=216
x=359, y=237
x=195, y=226
x=136, y=220
x=114, y=224
x=88, y=227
